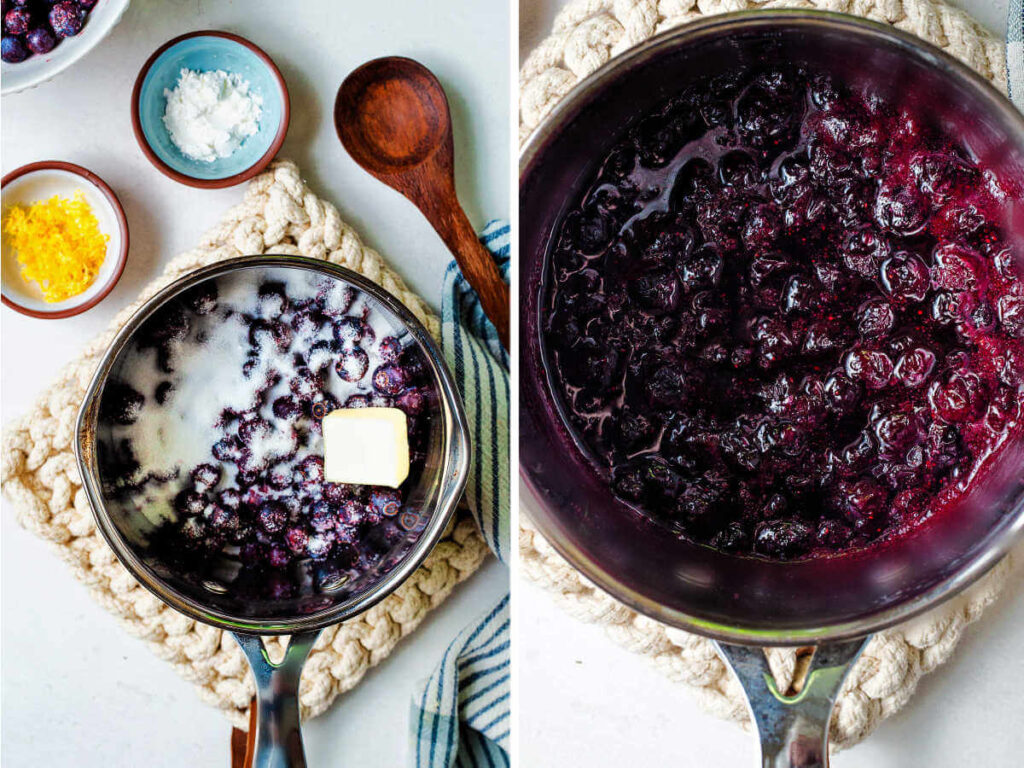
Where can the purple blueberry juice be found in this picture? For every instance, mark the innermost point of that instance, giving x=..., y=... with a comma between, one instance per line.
x=786, y=318
x=210, y=427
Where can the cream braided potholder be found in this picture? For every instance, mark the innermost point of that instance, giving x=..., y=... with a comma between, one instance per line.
x=40, y=476
x=586, y=34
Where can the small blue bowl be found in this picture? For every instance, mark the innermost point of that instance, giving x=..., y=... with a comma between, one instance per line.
x=206, y=51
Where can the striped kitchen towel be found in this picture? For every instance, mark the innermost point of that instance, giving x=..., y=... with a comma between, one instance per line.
x=460, y=714
x=1015, y=52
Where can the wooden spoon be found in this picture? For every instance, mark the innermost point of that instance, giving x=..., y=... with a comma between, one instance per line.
x=392, y=116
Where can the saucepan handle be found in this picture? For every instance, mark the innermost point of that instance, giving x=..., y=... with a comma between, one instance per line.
x=278, y=739
x=793, y=729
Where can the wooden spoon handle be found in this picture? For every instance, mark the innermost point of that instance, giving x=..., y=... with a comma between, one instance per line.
x=477, y=265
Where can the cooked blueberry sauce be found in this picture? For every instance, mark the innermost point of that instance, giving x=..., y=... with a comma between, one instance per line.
x=210, y=427
x=787, y=316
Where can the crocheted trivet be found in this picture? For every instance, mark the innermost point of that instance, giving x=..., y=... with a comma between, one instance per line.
x=40, y=476
x=586, y=34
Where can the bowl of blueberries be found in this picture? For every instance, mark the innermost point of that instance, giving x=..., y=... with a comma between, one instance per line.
x=44, y=37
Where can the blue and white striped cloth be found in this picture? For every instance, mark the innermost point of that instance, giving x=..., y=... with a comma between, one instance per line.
x=1015, y=52
x=460, y=714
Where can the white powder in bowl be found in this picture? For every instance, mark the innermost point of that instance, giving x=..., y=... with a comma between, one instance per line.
x=210, y=114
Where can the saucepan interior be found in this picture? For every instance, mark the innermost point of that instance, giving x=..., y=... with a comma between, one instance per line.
x=311, y=600
x=740, y=599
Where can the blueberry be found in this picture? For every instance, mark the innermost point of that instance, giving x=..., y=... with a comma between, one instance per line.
x=1011, y=315
x=229, y=498
x=351, y=514
x=278, y=557
x=390, y=379
x=121, y=403
x=323, y=516
x=318, y=546
x=17, y=21
x=271, y=301
x=190, y=503
x=872, y=367
x=266, y=332
x=13, y=50
x=202, y=299
x=875, y=318
x=205, y=477
x=67, y=18
x=322, y=404
x=335, y=297
x=221, y=517
x=305, y=384
x=295, y=539
x=310, y=469
x=389, y=349
x=352, y=364
x=272, y=516
x=782, y=539
x=227, y=449
x=905, y=277
x=287, y=408
x=957, y=396
x=385, y=502
x=954, y=268
x=914, y=366
x=321, y=354
x=350, y=331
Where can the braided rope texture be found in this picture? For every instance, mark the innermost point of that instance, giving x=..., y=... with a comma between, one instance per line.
x=587, y=34
x=40, y=476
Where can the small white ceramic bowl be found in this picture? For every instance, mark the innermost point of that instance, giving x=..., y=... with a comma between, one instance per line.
x=41, y=181
x=39, y=68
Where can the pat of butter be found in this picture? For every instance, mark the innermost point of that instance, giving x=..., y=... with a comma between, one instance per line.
x=366, y=446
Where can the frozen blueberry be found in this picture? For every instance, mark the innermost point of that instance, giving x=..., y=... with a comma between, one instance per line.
x=17, y=21
x=272, y=516
x=121, y=404
x=352, y=364
x=205, y=477
x=13, y=50
x=67, y=18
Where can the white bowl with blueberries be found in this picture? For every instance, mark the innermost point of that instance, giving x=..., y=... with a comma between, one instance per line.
x=42, y=38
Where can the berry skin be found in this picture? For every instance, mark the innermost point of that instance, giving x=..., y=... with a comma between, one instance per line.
x=782, y=539
x=390, y=380
x=17, y=21
x=385, y=502
x=272, y=516
x=205, y=477
x=67, y=18
x=349, y=331
x=13, y=50
x=121, y=404
x=352, y=364
x=1011, y=315
x=905, y=278
x=871, y=367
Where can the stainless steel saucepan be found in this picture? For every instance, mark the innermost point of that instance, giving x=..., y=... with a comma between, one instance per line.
x=744, y=603
x=432, y=499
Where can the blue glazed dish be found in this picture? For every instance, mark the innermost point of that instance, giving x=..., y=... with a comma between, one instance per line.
x=207, y=51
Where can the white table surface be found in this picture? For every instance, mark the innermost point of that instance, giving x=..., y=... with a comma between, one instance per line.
x=585, y=701
x=77, y=690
